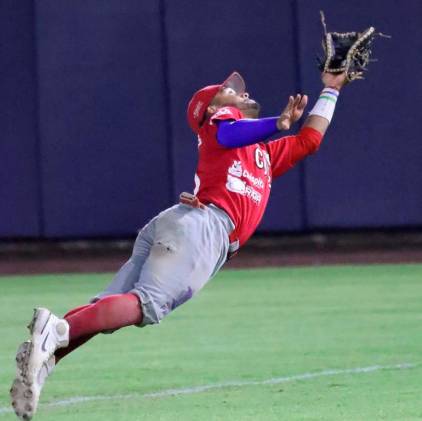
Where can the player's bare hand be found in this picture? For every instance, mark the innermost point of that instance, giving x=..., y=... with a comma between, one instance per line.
x=292, y=112
x=334, y=80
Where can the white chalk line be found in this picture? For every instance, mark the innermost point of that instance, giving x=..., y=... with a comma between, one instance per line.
x=205, y=388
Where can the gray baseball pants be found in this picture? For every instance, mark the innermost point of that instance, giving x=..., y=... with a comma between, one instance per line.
x=173, y=257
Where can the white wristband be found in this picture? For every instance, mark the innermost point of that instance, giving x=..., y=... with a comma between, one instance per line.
x=326, y=104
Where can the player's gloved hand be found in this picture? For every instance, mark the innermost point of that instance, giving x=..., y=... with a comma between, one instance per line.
x=292, y=112
x=348, y=52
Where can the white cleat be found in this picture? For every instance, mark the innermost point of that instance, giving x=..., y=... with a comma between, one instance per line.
x=35, y=360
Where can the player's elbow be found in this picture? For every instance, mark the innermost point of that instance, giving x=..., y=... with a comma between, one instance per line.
x=311, y=139
x=313, y=145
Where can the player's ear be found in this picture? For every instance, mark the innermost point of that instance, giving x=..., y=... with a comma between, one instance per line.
x=211, y=109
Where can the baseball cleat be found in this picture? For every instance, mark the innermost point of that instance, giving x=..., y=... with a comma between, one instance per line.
x=35, y=360
x=49, y=333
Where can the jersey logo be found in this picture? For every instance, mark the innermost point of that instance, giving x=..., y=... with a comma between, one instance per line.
x=235, y=183
x=236, y=169
x=262, y=161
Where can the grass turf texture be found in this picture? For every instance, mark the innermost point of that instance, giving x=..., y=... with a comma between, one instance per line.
x=246, y=325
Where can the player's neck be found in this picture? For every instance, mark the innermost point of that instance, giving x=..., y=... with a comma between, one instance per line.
x=249, y=114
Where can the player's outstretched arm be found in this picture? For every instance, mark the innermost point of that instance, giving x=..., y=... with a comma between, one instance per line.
x=287, y=151
x=247, y=131
x=320, y=116
x=296, y=105
x=234, y=134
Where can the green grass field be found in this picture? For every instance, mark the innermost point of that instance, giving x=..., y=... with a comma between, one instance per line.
x=245, y=328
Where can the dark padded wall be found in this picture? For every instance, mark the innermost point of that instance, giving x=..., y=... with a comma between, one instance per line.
x=368, y=172
x=94, y=138
x=206, y=42
x=104, y=142
x=19, y=186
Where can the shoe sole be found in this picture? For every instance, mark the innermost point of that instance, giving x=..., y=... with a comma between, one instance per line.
x=22, y=357
x=20, y=392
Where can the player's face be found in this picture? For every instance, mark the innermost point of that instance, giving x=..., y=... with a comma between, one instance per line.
x=229, y=97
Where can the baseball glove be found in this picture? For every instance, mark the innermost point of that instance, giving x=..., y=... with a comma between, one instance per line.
x=346, y=51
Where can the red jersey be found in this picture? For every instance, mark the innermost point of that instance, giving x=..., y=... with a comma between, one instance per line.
x=238, y=180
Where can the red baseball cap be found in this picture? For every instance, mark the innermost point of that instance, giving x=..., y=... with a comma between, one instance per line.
x=201, y=99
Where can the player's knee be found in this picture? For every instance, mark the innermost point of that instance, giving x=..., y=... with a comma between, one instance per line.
x=118, y=307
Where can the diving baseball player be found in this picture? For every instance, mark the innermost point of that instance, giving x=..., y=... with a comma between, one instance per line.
x=183, y=247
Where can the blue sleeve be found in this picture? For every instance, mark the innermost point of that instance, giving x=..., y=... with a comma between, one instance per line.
x=234, y=134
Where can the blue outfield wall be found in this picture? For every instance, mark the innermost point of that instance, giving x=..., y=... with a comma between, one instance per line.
x=94, y=139
x=19, y=171
x=102, y=114
x=368, y=172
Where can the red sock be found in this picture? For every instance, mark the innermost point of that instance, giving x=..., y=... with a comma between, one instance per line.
x=76, y=343
x=62, y=352
x=109, y=313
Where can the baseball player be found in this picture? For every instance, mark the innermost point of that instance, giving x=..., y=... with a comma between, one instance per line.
x=183, y=247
